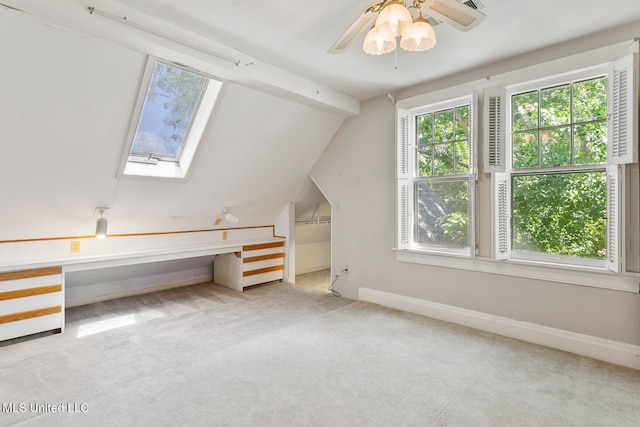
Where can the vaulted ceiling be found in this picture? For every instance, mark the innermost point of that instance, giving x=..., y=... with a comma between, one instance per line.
x=71, y=79
x=295, y=35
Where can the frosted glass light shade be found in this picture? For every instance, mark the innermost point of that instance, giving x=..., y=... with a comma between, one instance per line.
x=419, y=36
x=392, y=19
x=101, y=228
x=376, y=44
x=232, y=219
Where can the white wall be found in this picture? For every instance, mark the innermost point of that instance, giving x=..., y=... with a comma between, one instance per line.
x=65, y=110
x=313, y=247
x=356, y=173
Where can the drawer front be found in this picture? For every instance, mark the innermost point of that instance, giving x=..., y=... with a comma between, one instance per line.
x=18, y=305
x=36, y=282
x=30, y=274
x=30, y=326
x=261, y=246
x=258, y=265
x=261, y=278
x=31, y=301
x=262, y=252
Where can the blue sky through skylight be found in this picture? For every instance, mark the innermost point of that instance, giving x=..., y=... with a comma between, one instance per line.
x=172, y=98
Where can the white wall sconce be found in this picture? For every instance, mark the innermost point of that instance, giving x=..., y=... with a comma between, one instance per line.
x=229, y=217
x=101, y=224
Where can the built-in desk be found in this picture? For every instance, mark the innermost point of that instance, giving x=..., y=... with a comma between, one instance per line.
x=32, y=294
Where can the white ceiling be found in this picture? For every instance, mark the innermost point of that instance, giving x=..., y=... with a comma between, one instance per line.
x=68, y=125
x=295, y=36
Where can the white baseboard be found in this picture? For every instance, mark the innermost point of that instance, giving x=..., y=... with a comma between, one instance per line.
x=140, y=291
x=585, y=345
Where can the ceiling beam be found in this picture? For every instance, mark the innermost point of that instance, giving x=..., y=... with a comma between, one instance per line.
x=117, y=23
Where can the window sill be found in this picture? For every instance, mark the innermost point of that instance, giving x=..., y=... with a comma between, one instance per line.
x=584, y=276
x=160, y=170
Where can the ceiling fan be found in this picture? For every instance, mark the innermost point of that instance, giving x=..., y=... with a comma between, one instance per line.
x=460, y=14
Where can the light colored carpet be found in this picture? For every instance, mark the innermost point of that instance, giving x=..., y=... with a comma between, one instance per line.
x=280, y=355
x=318, y=280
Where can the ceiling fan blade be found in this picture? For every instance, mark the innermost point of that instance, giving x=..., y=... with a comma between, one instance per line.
x=359, y=25
x=453, y=12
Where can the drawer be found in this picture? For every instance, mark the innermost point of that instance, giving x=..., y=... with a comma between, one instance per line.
x=16, y=305
x=31, y=274
x=31, y=301
x=35, y=282
x=30, y=326
x=252, y=251
x=268, y=276
x=22, y=279
x=257, y=265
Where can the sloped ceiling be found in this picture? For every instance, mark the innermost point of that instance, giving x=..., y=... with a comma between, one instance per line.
x=311, y=202
x=70, y=81
x=65, y=111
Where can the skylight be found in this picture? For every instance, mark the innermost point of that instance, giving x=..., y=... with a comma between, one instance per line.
x=171, y=115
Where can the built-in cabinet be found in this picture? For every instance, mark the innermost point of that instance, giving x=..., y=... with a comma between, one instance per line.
x=31, y=301
x=253, y=265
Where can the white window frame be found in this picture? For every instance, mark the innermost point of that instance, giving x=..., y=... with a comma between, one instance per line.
x=621, y=150
x=489, y=260
x=407, y=177
x=569, y=78
x=169, y=168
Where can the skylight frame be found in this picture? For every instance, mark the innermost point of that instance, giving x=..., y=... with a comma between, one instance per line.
x=162, y=166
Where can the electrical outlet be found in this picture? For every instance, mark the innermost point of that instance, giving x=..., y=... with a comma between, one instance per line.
x=75, y=246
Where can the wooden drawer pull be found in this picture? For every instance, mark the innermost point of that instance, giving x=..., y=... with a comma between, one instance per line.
x=263, y=270
x=29, y=292
x=263, y=257
x=262, y=246
x=30, y=314
x=26, y=274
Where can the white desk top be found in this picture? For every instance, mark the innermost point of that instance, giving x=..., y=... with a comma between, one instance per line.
x=78, y=262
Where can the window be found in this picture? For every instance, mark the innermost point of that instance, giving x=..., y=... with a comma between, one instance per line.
x=561, y=198
x=439, y=189
x=553, y=195
x=558, y=172
x=171, y=117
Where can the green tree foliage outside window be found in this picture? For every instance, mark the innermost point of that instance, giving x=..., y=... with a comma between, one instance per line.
x=560, y=210
x=442, y=183
x=172, y=100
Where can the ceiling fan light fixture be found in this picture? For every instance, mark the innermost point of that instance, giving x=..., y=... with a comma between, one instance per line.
x=378, y=44
x=419, y=36
x=393, y=17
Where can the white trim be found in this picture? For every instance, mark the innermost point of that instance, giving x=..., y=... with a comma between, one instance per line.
x=567, y=77
x=435, y=107
x=140, y=291
x=193, y=136
x=408, y=177
x=584, y=276
x=586, y=345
